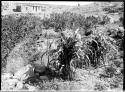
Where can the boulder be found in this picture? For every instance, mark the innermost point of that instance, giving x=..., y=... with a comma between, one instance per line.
x=44, y=78
x=6, y=76
x=39, y=68
x=9, y=84
x=24, y=73
x=19, y=85
x=121, y=29
x=12, y=84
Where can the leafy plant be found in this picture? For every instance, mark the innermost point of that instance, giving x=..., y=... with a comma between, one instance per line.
x=16, y=29
x=66, y=52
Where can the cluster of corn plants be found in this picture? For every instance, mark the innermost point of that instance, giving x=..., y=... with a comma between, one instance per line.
x=93, y=52
x=65, y=52
x=97, y=47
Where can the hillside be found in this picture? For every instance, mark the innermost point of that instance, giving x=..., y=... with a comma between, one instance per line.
x=95, y=8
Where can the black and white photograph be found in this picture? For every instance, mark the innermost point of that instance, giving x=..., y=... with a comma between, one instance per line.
x=62, y=45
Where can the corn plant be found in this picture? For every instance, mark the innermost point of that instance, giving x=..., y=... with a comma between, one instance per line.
x=65, y=53
x=97, y=47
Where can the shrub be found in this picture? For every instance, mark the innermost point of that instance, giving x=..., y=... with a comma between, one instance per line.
x=15, y=30
x=105, y=20
x=99, y=87
x=67, y=20
x=66, y=54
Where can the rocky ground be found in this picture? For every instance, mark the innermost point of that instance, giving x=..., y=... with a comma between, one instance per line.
x=83, y=80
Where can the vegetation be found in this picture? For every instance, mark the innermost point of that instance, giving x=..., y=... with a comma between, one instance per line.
x=100, y=45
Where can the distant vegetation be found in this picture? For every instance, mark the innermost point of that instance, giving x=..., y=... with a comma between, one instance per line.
x=114, y=9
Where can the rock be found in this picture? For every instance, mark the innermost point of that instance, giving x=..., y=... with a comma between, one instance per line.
x=121, y=29
x=24, y=73
x=14, y=62
x=68, y=33
x=121, y=65
x=39, y=68
x=118, y=71
x=13, y=84
x=6, y=76
x=31, y=88
x=79, y=43
x=44, y=78
x=9, y=84
x=19, y=86
x=112, y=20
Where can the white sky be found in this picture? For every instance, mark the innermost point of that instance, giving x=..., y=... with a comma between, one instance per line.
x=71, y=3
x=66, y=3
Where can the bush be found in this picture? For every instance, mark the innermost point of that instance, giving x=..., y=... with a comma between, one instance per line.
x=66, y=52
x=67, y=20
x=14, y=30
x=99, y=87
